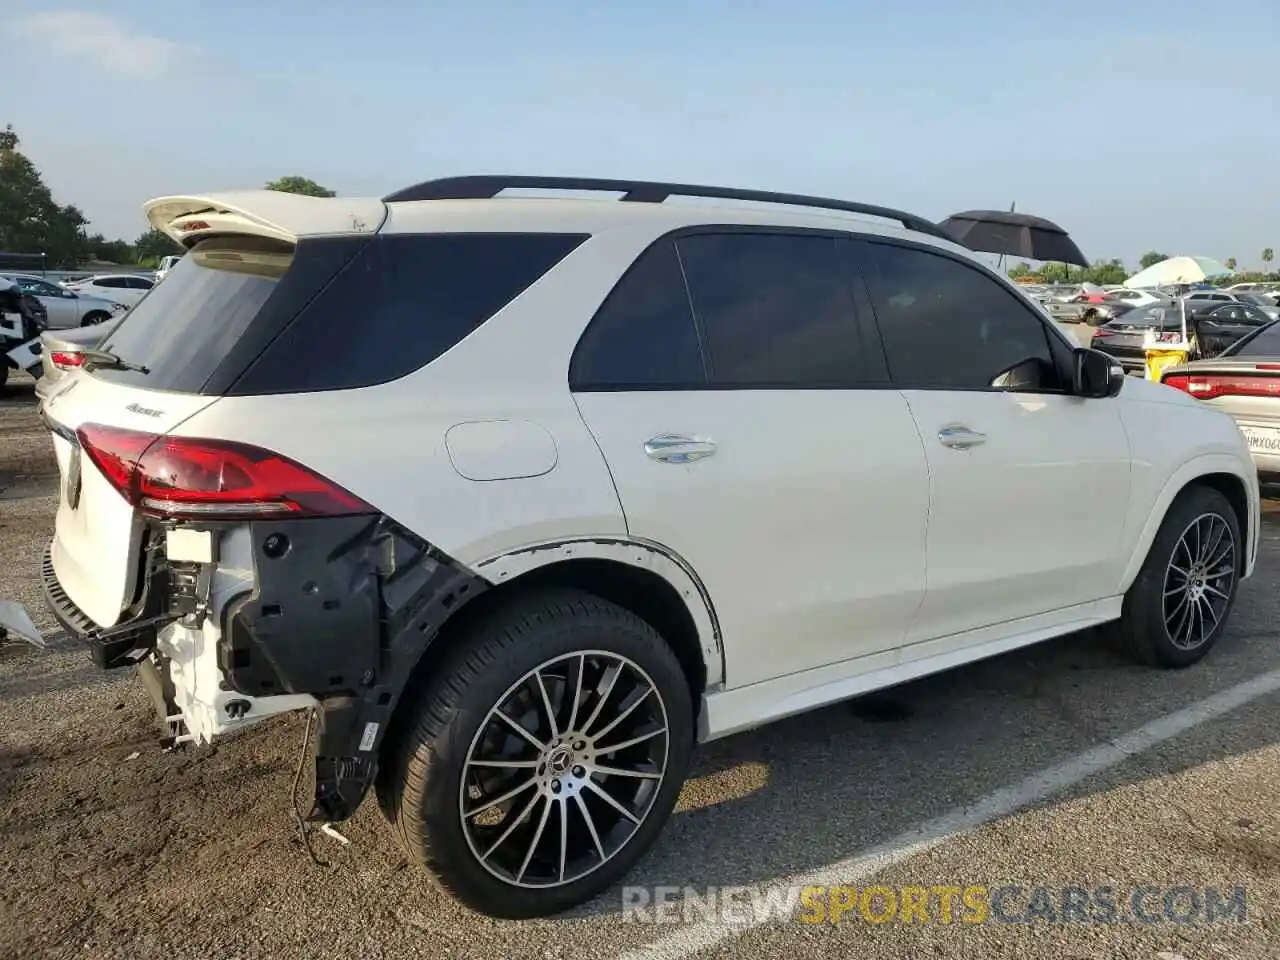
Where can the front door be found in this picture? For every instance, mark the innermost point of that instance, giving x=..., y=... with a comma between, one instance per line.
x=739, y=435
x=1029, y=485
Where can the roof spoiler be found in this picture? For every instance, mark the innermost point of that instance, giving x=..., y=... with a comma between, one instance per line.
x=265, y=213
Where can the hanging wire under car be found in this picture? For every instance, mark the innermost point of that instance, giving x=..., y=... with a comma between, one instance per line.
x=298, y=817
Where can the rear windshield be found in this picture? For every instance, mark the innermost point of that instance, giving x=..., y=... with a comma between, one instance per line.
x=247, y=315
x=187, y=325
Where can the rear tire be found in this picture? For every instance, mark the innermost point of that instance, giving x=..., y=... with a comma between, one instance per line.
x=1175, y=611
x=94, y=318
x=528, y=824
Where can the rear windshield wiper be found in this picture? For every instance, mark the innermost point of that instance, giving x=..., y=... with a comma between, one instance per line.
x=105, y=358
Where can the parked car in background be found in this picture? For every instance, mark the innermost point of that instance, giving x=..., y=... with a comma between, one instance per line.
x=66, y=308
x=1223, y=324
x=1244, y=381
x=125, y=288
x=166, y=264
x=1093, y=310
x=62, y=351
x=1211, y=326
x=1125, y=337
x=1221, y=296
x=22, y=318
x=1135, y=298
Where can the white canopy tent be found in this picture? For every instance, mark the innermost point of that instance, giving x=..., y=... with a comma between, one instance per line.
x=1176, y=271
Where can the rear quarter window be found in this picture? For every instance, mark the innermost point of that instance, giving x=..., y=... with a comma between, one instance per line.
x=401, y=302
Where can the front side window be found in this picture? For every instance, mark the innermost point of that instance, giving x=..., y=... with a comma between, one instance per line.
x=775, y=309
x=946, y=325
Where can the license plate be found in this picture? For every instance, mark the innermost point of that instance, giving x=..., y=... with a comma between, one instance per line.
x=1262, y=439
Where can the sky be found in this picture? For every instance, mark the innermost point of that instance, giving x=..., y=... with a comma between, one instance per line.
x=1136, y=125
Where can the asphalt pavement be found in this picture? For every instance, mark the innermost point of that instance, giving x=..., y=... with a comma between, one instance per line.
x=1028, y=792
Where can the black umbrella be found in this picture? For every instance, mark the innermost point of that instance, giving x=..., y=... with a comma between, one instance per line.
x=1015, y=234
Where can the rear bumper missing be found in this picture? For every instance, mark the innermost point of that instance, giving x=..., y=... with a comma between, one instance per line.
x=332, y=613
x=127, y=643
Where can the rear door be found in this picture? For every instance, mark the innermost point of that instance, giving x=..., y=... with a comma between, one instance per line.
x=746, y=421
x=1029, y=485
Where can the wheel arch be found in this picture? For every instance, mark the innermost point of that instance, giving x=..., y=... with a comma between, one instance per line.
x=646, y=578
x=1219, y=472
x=654, y=583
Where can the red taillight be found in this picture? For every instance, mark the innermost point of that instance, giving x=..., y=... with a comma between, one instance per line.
x=186, y=478
x=1103, y=332
x=64, y=360
x=1208, y=386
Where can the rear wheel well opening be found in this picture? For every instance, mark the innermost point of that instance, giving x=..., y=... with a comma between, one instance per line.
x=643, y=592
x=1231, y=487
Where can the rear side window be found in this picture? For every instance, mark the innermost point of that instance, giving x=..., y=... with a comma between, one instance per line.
x=247, y=315
x=946, y=325
x=776, y=310
x=643, y=335
x=403, y=301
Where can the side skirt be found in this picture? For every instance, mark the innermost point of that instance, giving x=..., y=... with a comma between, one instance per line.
x=732, y=711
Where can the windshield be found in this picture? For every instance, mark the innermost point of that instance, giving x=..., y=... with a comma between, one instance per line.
x=182, y=329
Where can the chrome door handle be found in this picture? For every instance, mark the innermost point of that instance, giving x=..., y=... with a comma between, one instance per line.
x=670, y=448
x=960, y=438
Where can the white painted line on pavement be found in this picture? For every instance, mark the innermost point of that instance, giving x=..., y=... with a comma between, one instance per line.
x=697, y=937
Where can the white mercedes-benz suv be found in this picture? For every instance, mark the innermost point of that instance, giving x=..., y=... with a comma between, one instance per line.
x=525, y=496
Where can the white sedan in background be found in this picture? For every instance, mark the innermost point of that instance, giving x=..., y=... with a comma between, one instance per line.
x=126, y=288
x=67, y=308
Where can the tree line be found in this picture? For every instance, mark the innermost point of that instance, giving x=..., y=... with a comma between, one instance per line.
x=32, y=221
x=1105, y=272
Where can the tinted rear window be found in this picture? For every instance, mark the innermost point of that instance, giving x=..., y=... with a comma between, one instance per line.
x=403, y=301
x=189, y=324
x=246, y=315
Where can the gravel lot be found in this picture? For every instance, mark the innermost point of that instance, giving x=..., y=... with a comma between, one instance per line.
x=111, y=848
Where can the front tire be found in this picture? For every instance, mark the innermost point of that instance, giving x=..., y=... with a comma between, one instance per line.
x=1175, y=611
x=94, y=318
x=545, y=755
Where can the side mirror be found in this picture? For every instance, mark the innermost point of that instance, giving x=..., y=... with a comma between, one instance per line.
x=1096, y=375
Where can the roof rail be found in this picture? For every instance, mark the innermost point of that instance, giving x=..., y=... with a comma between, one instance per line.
x=644, y=191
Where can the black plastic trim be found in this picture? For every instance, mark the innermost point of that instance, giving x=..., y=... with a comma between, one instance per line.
x=486, y=187
x=343, y=610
